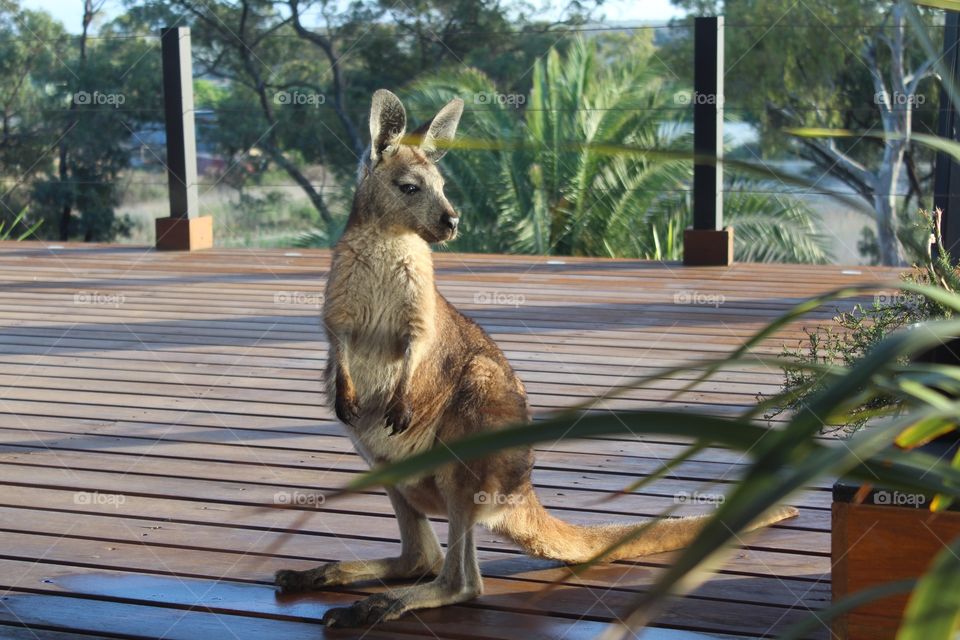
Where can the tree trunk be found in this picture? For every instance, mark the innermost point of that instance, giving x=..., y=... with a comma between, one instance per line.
x=64, y=171
x=339, y=100
x=67, y=210
x=316, y=198
x=885, y=204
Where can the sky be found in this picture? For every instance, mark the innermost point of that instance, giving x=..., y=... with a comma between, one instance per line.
x=69, y=12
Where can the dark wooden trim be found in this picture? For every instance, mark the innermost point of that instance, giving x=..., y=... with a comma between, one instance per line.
x=180, y=234
x=708, y=247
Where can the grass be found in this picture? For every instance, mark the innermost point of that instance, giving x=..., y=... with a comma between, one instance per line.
x=274, y=214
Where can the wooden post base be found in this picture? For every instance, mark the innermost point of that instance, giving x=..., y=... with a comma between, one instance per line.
x=184, y=234
x=877, y=542
x=708, y=247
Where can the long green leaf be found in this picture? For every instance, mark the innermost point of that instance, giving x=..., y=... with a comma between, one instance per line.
x=942, y=501
x=762, y=488
x=664, y=469
x=936, y=294
x=896, y=346
x=737, y=434
x=7, y=231
x=945, y=145
x=732, y=433
x=758, y=169
x=946, y=5
x=913, y=470
x=923, y=432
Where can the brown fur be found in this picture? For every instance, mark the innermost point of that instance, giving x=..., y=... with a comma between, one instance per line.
x=408, y=371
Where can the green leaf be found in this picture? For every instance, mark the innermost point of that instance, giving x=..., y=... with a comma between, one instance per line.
x=664, y=469
x=942, y=502
x=925, y=431
x=913, y=470
x=950, y=147
x=732, y=433
x=7, y=231
x=760, y=490
x=946, y=5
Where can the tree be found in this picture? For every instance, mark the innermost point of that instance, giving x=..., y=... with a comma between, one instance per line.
x=540, y=192
x=300, y=93
x=864, y=73
x=30, y=45
x=70, y=106
x=896, y=94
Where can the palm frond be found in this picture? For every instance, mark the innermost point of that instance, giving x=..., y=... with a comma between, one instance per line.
x=532, y=191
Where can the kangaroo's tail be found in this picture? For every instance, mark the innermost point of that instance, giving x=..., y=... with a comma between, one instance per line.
x=541, y=534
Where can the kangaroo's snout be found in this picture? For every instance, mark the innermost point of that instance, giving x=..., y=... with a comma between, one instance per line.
x=447, y=227
x=450, y=221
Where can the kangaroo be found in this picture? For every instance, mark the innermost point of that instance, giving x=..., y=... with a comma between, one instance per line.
x=407, y=371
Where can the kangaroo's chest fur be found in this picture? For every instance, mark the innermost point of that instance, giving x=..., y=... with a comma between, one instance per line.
x=380, y=300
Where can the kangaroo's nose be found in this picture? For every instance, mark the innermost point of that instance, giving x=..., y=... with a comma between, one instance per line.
x=449, y=221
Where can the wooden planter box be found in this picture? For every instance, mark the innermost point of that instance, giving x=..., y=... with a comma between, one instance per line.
x=890, y=535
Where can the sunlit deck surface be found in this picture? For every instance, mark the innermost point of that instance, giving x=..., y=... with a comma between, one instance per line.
x=151, y=404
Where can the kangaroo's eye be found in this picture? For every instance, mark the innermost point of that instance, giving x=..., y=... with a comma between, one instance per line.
x=409, y=188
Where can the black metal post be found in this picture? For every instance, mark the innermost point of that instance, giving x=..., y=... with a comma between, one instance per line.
x=708, y=122
x=708, y=242
x=184, y=229
x=946, y=186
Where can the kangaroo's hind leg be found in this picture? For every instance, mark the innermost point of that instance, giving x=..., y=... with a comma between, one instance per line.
x=420, y=555
x=459, y=578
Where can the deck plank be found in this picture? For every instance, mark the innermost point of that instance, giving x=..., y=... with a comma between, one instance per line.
x=196, y=397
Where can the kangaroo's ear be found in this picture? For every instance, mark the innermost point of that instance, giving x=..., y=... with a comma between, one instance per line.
x=441, y=129
x=388, y=121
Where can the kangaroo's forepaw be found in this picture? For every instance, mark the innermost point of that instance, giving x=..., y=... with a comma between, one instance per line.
x=291, y=581
x=346, y=408
x=379, y=607
x=398, y=417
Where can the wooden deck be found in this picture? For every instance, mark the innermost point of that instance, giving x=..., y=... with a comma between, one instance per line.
x=152, y=404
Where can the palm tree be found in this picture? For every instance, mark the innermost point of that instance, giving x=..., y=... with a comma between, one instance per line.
x=535, y=192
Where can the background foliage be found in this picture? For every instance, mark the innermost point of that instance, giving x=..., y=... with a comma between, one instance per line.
x=283, y=172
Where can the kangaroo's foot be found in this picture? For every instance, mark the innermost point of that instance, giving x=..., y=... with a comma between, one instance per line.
x=391, y=605
x=459, y=580
x=339, y=573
